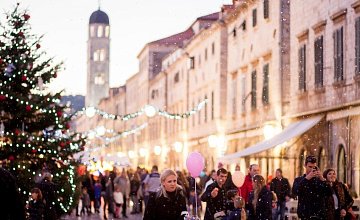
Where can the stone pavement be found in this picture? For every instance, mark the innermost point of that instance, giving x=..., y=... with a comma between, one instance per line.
x=100, y=217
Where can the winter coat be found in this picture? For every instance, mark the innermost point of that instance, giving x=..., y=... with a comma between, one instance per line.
x=48, y=189
x=234, y=215
x=11, y=206
x=246, y=188
x=281, y=188
x=36, y=210
x=214, y=205
x=312, y=195
x=263, y=210
x=172, y=207
x=134, y=187
x=345, y=201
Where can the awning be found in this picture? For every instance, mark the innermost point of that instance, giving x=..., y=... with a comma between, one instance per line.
x=293, y=130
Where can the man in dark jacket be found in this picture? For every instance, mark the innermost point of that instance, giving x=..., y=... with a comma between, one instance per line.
x=11, y=207
x=311, y=190
x=48, y=189
x=281, y=187
x=215, y=196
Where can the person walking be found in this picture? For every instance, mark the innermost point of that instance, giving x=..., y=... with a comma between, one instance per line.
x=36, y=206
x=281, y=187
x=311, y=190
x=339, y=203
x=48, y=189
x=123, y=181
x=169, y=202
x=151, y=183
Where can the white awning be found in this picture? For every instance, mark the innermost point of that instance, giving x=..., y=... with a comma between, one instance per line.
x=293, y=130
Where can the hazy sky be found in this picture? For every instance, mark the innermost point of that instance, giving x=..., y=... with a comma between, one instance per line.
x=133, y=23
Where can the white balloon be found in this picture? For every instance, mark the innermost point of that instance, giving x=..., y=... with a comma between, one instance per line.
x=238, y=178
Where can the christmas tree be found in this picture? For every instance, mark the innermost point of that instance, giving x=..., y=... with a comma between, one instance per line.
x=35, y=134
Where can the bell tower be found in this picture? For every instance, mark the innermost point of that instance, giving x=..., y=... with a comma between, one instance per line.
x=98, y=47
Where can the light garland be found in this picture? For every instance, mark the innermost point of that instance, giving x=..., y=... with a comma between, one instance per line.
x=149, y=110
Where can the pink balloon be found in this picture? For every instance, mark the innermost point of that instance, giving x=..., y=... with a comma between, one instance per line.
x=195, y=163
x=238, y=178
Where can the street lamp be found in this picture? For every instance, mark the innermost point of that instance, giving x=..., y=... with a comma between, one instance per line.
x=157, y=150
x=212, y=140
x=178, y=146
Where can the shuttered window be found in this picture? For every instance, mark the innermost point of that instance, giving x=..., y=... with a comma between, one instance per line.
x=338, y=54
x=265, y=91
x=266, y=9
x=302, y=68
x=319, y=61
x=253, y=89
x=357, y=46
x=254, y=17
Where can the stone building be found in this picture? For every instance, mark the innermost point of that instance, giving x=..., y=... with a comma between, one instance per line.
x=325, y=81
x=98, y=47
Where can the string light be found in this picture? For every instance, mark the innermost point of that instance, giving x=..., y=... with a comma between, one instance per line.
x=149, y=111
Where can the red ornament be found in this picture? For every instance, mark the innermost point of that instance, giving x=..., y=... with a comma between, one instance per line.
x=23, y=78
x=21, y=34
x=38, y=46
x=28, y=108
x=59, y=113
x=17, y=132
x=67, y=125
x=2, y=97
x=11, y=158
x=33, y=151
x=26, y=17
x=55, y=75
x=62, y=144
x=0, y=59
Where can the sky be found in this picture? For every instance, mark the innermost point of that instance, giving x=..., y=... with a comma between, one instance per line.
x=133, y=23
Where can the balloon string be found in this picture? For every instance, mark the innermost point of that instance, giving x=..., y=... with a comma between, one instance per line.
x=195, y=199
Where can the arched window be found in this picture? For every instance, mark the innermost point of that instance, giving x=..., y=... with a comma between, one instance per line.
x=341, y=164
x=107, y=31
x=100, y=31
x=92, y=31
x=321, y=162
x=302, y=157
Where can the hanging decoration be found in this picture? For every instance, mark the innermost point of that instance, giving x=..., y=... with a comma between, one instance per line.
x=149, y=111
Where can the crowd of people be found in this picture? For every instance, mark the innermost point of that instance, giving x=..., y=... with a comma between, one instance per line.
x=177, y=195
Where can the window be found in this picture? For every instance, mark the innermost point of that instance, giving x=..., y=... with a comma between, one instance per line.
x=212, y=106
x=206, y=54
x=102, y=55
x=266, y=9
x=199, y=60
x=199, y=115
x=243, y=25
x=243, y=92
x=100, y=31
x=176, y=77
x=253, y=89
x=233, y=95
x=254, y=17
x=205, y=109
x=302, y=68
x=357, y=46
x=96, y=55
x=265, y=95
x=341, y=165
x=338, y=55
x=92, y=31
x=107, y=31
x=193, y=116
x=213, y=48
x=99, y=79
x=321, y=159
x=192, y=62
x=319, y=61
x=234, y=32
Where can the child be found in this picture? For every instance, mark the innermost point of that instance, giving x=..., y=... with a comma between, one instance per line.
x=85, y=200
x=119, y=200
x=97, y=192
x=36, y=205
x=239, y=212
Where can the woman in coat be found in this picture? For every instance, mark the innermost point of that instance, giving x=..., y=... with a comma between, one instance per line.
x=261, y=200
x=338, y=204
x=169, y=202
